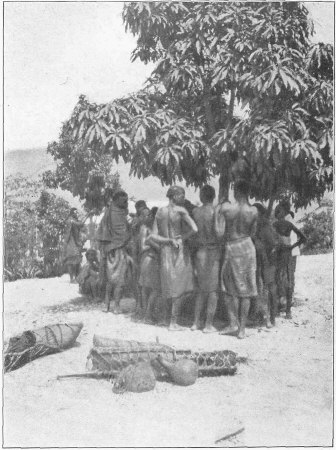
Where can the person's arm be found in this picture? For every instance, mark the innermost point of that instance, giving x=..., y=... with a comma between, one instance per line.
x=190, y=222
x=143, y=239
x=219, y=221
x=302, y=238
x=155, y=238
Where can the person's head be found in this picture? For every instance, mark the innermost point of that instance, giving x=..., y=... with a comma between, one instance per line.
x=108, y=195
x=207, y=194
x=146, y=216
x=139, y=206
x=176, y=194
x=74, y=213
x=280, y=212
x=154, y=210
x=91, y=255
x=120, y=199
x=241, y=189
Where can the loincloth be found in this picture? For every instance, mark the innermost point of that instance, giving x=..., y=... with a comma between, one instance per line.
x=116, y=265
x=150, y=271
x=238, y=274
x=176, y=272
x=285, y=273
x=207, y=268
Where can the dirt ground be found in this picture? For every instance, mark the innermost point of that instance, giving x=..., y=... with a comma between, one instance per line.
x=281, y=396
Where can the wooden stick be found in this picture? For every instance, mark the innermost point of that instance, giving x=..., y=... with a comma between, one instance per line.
x=228, y=436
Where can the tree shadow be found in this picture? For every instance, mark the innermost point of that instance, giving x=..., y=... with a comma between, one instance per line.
x=81, y=303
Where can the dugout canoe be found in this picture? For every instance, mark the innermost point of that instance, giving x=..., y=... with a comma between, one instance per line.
x=43, y=341
x=113, y=355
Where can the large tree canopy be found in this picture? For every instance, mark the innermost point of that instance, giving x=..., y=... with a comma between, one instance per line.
x=237, y=91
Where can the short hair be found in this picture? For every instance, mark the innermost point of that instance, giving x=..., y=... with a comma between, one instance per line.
x=208, y=192
x=242, y=187
x=261, y=209
x=91, y=251
x=108, y=193
x=173, y=190
x=118, y=194
x=140, y=204
x=154, y=210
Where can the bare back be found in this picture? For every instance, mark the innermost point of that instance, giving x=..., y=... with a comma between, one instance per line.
x=240, y=220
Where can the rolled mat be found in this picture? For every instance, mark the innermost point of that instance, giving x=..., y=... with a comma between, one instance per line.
x=32, y=344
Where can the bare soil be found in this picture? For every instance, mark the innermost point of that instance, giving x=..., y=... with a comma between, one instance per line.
x=281, y=396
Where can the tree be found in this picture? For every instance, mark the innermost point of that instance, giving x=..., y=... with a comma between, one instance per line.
x=81, y=170
x=211, y=58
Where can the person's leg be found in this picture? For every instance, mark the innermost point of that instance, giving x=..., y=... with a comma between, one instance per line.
x=289, y=298
x=199, y=305
x=152, y=298
x=232, y=306
x=72, y=272
x=244, y=309
x=210, y=313
x=176, y=309
x=116, y=299
x=108, y=291
x=273, y=302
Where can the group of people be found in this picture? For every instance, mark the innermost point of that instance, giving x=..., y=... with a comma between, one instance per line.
x=167, y=255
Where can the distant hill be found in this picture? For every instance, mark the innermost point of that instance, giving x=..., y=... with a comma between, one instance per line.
x=30, y=162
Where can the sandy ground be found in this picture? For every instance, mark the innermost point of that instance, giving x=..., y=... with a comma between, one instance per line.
x=281, y=396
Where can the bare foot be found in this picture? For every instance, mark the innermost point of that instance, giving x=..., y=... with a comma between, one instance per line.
x=116, y=309
x=269, y=324
x=288, y=316
x=229, y=331
x=195, y=327
x=241, y=334
x=175, y=327
x=210, y=329
x=162, y=323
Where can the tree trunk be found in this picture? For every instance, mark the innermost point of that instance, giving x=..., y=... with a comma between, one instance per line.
x=211, y=129
x=224, y=185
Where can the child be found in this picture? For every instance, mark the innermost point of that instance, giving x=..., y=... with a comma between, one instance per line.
x=285, y=262
x=149, y=279
x=88, y=278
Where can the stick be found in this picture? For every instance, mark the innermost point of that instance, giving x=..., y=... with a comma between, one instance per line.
x=228, y=436
x=95, y=375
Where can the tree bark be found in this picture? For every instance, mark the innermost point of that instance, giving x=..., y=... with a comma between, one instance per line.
x=211, y=129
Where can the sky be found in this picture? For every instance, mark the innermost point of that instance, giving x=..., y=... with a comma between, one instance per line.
x=54, y=52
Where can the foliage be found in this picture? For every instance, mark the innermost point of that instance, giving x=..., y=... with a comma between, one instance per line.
x=33, y=229
x=318, y=228
x=79, y=168
x=212, y=58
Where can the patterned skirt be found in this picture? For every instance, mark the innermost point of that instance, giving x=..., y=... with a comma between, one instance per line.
x=238, y=275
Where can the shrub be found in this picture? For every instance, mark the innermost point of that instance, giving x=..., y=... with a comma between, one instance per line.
x=33, y=229
x=318, y=228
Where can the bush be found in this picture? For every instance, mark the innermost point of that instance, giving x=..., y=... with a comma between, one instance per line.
x=318, y=228
x=33, y=229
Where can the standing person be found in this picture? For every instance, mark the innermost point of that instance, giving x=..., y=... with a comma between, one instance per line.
x=149, y=279
x=206, y=260
x=266, y=241
x=72, y=249
x=140, y=206
x=113, y=236
x=238, y=275
x=175, y=262
x=285, y=263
